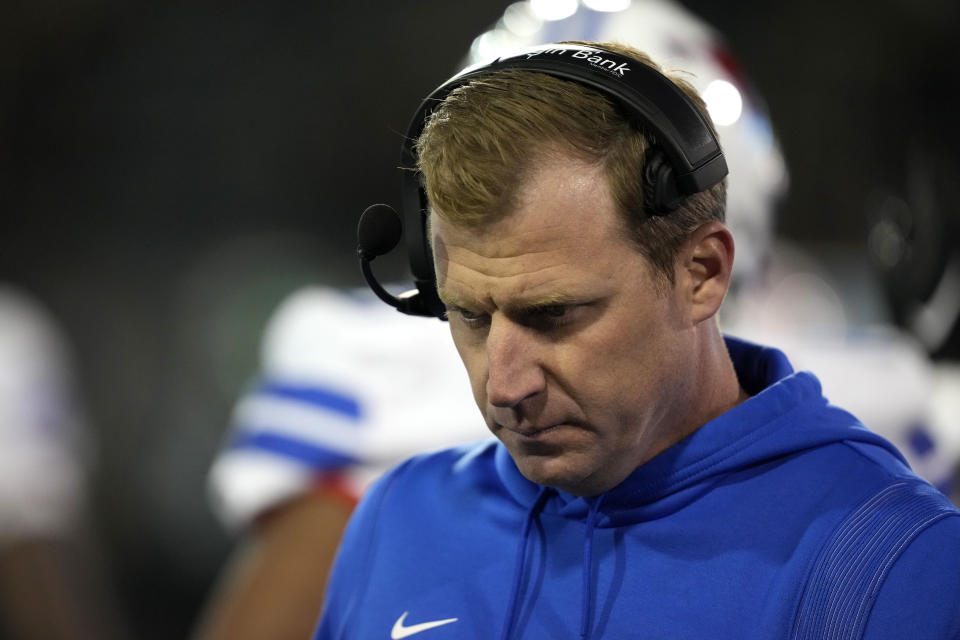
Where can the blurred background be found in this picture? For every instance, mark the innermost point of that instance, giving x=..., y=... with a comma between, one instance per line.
x=170, y=171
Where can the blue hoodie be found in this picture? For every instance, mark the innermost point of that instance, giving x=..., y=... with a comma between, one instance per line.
x=783, y=518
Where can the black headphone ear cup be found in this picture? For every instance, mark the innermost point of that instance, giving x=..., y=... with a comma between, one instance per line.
x=660, y=193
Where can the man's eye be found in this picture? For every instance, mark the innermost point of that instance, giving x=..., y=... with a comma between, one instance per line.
x=553, y=310
x=471, y=318
x=551, y=316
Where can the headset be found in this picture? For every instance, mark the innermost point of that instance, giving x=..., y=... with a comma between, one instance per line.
x=685, y=156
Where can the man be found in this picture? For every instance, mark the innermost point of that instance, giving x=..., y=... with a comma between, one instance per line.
x=291, y=471
x=649, y=478
x=52, y=583
x=290, y=507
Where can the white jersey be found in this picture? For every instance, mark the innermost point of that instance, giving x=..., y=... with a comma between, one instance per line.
x=877, y=372
x=348, y=388
x=42, y=450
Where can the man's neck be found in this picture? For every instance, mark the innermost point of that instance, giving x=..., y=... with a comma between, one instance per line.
x=713, y=389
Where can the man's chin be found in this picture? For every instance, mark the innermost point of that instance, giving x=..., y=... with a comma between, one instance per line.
x=557, y=471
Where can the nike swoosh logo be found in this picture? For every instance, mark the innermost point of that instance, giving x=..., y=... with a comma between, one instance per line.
x=400, y=631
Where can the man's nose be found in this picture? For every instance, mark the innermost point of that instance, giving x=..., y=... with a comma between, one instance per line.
x=515, y=371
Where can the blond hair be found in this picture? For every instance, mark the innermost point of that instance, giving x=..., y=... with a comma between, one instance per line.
x=479, y=142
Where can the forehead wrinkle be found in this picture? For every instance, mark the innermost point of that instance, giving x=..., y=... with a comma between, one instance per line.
x=512, y=237
x=557, y=234
x=482, y=274
x=513, y=291
x=489, y=264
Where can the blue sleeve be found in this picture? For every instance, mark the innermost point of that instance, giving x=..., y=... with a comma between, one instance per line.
x=890, y=570
x=355, y=560
x=311, y=425
x=920, y=597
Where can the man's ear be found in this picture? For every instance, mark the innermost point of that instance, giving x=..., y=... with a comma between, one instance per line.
x=706, y=263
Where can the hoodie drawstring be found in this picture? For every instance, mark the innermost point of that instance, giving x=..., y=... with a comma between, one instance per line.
x=586, y=606
x=519, y=562
x=586, y=609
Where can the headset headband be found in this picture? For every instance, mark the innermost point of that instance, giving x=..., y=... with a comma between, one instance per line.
x=656, y=101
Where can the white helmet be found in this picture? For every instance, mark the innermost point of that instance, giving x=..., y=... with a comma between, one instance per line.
x=677, y=40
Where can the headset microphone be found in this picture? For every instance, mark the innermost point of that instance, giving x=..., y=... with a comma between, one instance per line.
x=378, y=232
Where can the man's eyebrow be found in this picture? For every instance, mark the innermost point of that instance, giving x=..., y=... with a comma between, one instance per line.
x=556, y=299
x=450, y=299
x=534, y=303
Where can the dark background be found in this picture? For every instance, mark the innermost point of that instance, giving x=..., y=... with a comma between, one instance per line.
x=168, y=171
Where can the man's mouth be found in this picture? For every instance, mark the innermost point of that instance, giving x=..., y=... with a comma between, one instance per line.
x=534, y=432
